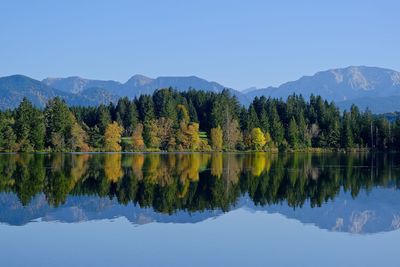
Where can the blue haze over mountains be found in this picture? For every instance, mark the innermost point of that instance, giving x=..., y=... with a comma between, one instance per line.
x=372, y=87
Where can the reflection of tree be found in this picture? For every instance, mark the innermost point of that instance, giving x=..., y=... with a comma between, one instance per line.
x=195, y=182
x=112, y=167
x=79, y=167
x=137, y=165
x=29, y=176
x=188, y=166
x=216, y=164
x=7, y=168
x=58, y=183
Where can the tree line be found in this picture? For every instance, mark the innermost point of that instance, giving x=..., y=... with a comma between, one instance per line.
x=195, y=120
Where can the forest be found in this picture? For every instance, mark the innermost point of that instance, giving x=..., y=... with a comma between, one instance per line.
x=195, y=120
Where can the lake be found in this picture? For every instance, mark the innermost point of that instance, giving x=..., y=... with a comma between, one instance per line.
x=194, y=209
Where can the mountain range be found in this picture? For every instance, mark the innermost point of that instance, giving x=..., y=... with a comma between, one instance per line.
x=368, y=87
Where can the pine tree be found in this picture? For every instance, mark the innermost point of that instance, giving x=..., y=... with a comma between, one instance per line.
x=23, y=121
x=252, y=119
x=293, y=133
x=104, y=118
x=145, y=108
x=192, y=112
x=7, y=135
x=29, y=127
x=277, y=130
x=165, y=104
x=346, y=135
x=59, y=121
x=264, y=121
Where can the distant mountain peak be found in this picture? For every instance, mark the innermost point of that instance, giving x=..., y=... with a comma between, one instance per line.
x=348, y=84
x=139, y=80
x=140, y=76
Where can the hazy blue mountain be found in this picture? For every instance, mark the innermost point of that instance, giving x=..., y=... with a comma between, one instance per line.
x=135, y=86
x=94, y=96
x=368, y=87
x=14, y=88
x=359, y=85
x=77, y=84
x=80, y=91
x=139, y=84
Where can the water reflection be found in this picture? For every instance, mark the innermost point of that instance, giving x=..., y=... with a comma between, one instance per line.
x=191, y=187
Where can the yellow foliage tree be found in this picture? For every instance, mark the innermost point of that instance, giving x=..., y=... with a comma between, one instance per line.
x=216, y=138
x=154, y=138
x=112, y=137
x=257, y=139
x=188, y=136
x=137, y=137
x=193, y=130
x=79, y=138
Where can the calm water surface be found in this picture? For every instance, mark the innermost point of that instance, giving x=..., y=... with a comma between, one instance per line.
x=200, y=209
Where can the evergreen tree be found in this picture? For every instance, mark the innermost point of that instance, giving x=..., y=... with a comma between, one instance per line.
x=7, y=135
x=104, y=118
x=252, y=119
x=264, y=121
x=23, y=121
x=277, y=130
x=58, y=122
x=145, y=108
x=293, y=131
x=347, y=135
x=192, y=112
x=165, y=104
x=29, y=127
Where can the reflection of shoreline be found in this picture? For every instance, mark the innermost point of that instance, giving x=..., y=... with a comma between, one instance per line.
x=371, y=213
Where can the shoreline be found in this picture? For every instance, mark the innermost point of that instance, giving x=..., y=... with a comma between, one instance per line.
x=272, y=151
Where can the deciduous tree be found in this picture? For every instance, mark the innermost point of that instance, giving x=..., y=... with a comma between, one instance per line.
x=216, y=138
x=257, y=139
x=112, y=137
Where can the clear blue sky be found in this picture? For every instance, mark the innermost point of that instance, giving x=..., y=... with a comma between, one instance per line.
x=237, y=43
